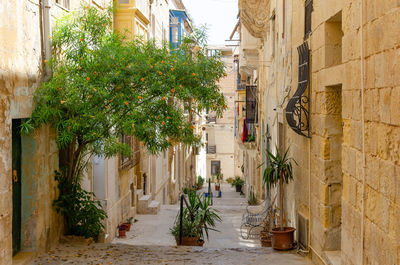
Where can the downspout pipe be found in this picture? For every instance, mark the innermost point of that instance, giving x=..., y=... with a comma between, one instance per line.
x=44, y=16
x=363, y=127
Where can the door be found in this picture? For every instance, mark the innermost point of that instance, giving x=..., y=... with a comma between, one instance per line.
x=215, y=167
x=16, y=186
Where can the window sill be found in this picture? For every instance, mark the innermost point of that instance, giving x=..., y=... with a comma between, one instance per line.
x=63, y=8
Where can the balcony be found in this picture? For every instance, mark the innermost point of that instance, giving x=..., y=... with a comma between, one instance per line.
x=211, y=149
x=241, y=86
x=211, y=119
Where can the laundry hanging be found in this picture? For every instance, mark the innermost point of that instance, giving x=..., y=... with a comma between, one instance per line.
x=245, y=133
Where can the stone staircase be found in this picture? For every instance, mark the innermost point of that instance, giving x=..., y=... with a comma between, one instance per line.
x=146, y=205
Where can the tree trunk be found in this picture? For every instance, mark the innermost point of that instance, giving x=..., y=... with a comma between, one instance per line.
x=281, y=202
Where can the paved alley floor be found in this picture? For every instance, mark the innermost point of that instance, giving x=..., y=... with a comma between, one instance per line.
x=155, y=230
x=150, y=242
x=102, y=254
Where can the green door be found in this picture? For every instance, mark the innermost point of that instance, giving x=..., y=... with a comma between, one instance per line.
x=16, y=186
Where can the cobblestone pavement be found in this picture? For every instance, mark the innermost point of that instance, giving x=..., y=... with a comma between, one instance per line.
x=150, y=242
x=102, y=254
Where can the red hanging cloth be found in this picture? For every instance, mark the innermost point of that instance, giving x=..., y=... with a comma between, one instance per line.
x=245, y=134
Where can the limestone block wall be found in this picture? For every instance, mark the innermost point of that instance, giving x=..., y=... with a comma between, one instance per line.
x=353, y=170
x=381, y=204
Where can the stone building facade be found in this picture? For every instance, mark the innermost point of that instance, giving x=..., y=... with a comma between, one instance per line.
x=28, y=220
x=220, y=131
x=344, y=200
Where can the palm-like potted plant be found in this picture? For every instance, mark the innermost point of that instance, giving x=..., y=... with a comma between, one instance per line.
x=279, y=171
x=198, y=219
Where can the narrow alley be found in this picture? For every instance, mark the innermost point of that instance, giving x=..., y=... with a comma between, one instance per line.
x=150, y=242
x=116, y=115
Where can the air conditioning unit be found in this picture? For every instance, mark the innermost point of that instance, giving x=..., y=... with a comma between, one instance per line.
x=302, y=230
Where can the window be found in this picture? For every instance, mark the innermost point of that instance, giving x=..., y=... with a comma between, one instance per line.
x=64, y=3
x=133, y=160
x=213, y=52
x=251, y=104
x=174, y=29
x=215, y=167
x=174, y=34
x=307, y=17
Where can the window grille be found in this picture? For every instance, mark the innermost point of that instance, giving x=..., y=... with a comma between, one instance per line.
x=307, y=16
x=251, y=104
x=297, y=109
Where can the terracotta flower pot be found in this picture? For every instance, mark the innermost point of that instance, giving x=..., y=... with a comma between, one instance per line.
x=216, y=187
x=265, y=239
x=190, y=241
x=127, y=226
x=283, y=239
x=121, y=232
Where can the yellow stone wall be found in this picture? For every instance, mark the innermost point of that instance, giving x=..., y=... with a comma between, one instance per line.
x=353, y=208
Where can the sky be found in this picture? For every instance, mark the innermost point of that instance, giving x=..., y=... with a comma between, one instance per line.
x=220, y=16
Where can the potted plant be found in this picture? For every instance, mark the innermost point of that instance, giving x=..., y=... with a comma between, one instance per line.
x=122, y=231
x=218, y=183
x=238, y=183
x=252, y=198
x=279, y=171
x=230, y=180
x=268, y=225
x=196, y=222
x=200, y=182
x=128, y=223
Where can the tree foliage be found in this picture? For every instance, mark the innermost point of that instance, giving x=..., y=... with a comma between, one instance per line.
x=104, y=85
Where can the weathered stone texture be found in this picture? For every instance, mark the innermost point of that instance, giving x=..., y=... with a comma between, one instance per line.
x=337, y=133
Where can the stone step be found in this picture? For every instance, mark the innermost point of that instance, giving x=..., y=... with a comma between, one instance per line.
x=154, y=208
x=139, y=193
x=143, y=204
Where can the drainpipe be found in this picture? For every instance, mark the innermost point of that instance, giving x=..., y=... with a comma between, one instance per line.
x=44, y=16
x=363, y=127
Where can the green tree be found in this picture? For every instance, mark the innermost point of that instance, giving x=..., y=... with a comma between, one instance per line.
x=104, y=85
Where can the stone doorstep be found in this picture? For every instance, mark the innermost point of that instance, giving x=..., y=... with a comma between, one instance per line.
x=333, y=257
x=23, y=258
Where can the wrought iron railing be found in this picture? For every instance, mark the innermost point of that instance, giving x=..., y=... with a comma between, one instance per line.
x=211, y=119
x=241, y=86
x=251, y=104
x=297, y=109
x=211, y=149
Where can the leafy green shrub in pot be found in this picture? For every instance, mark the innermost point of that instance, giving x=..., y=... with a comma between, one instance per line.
x=83, y=215
x=200, y=182
x=199, y=220
x=238, y=183
x=230, y=180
